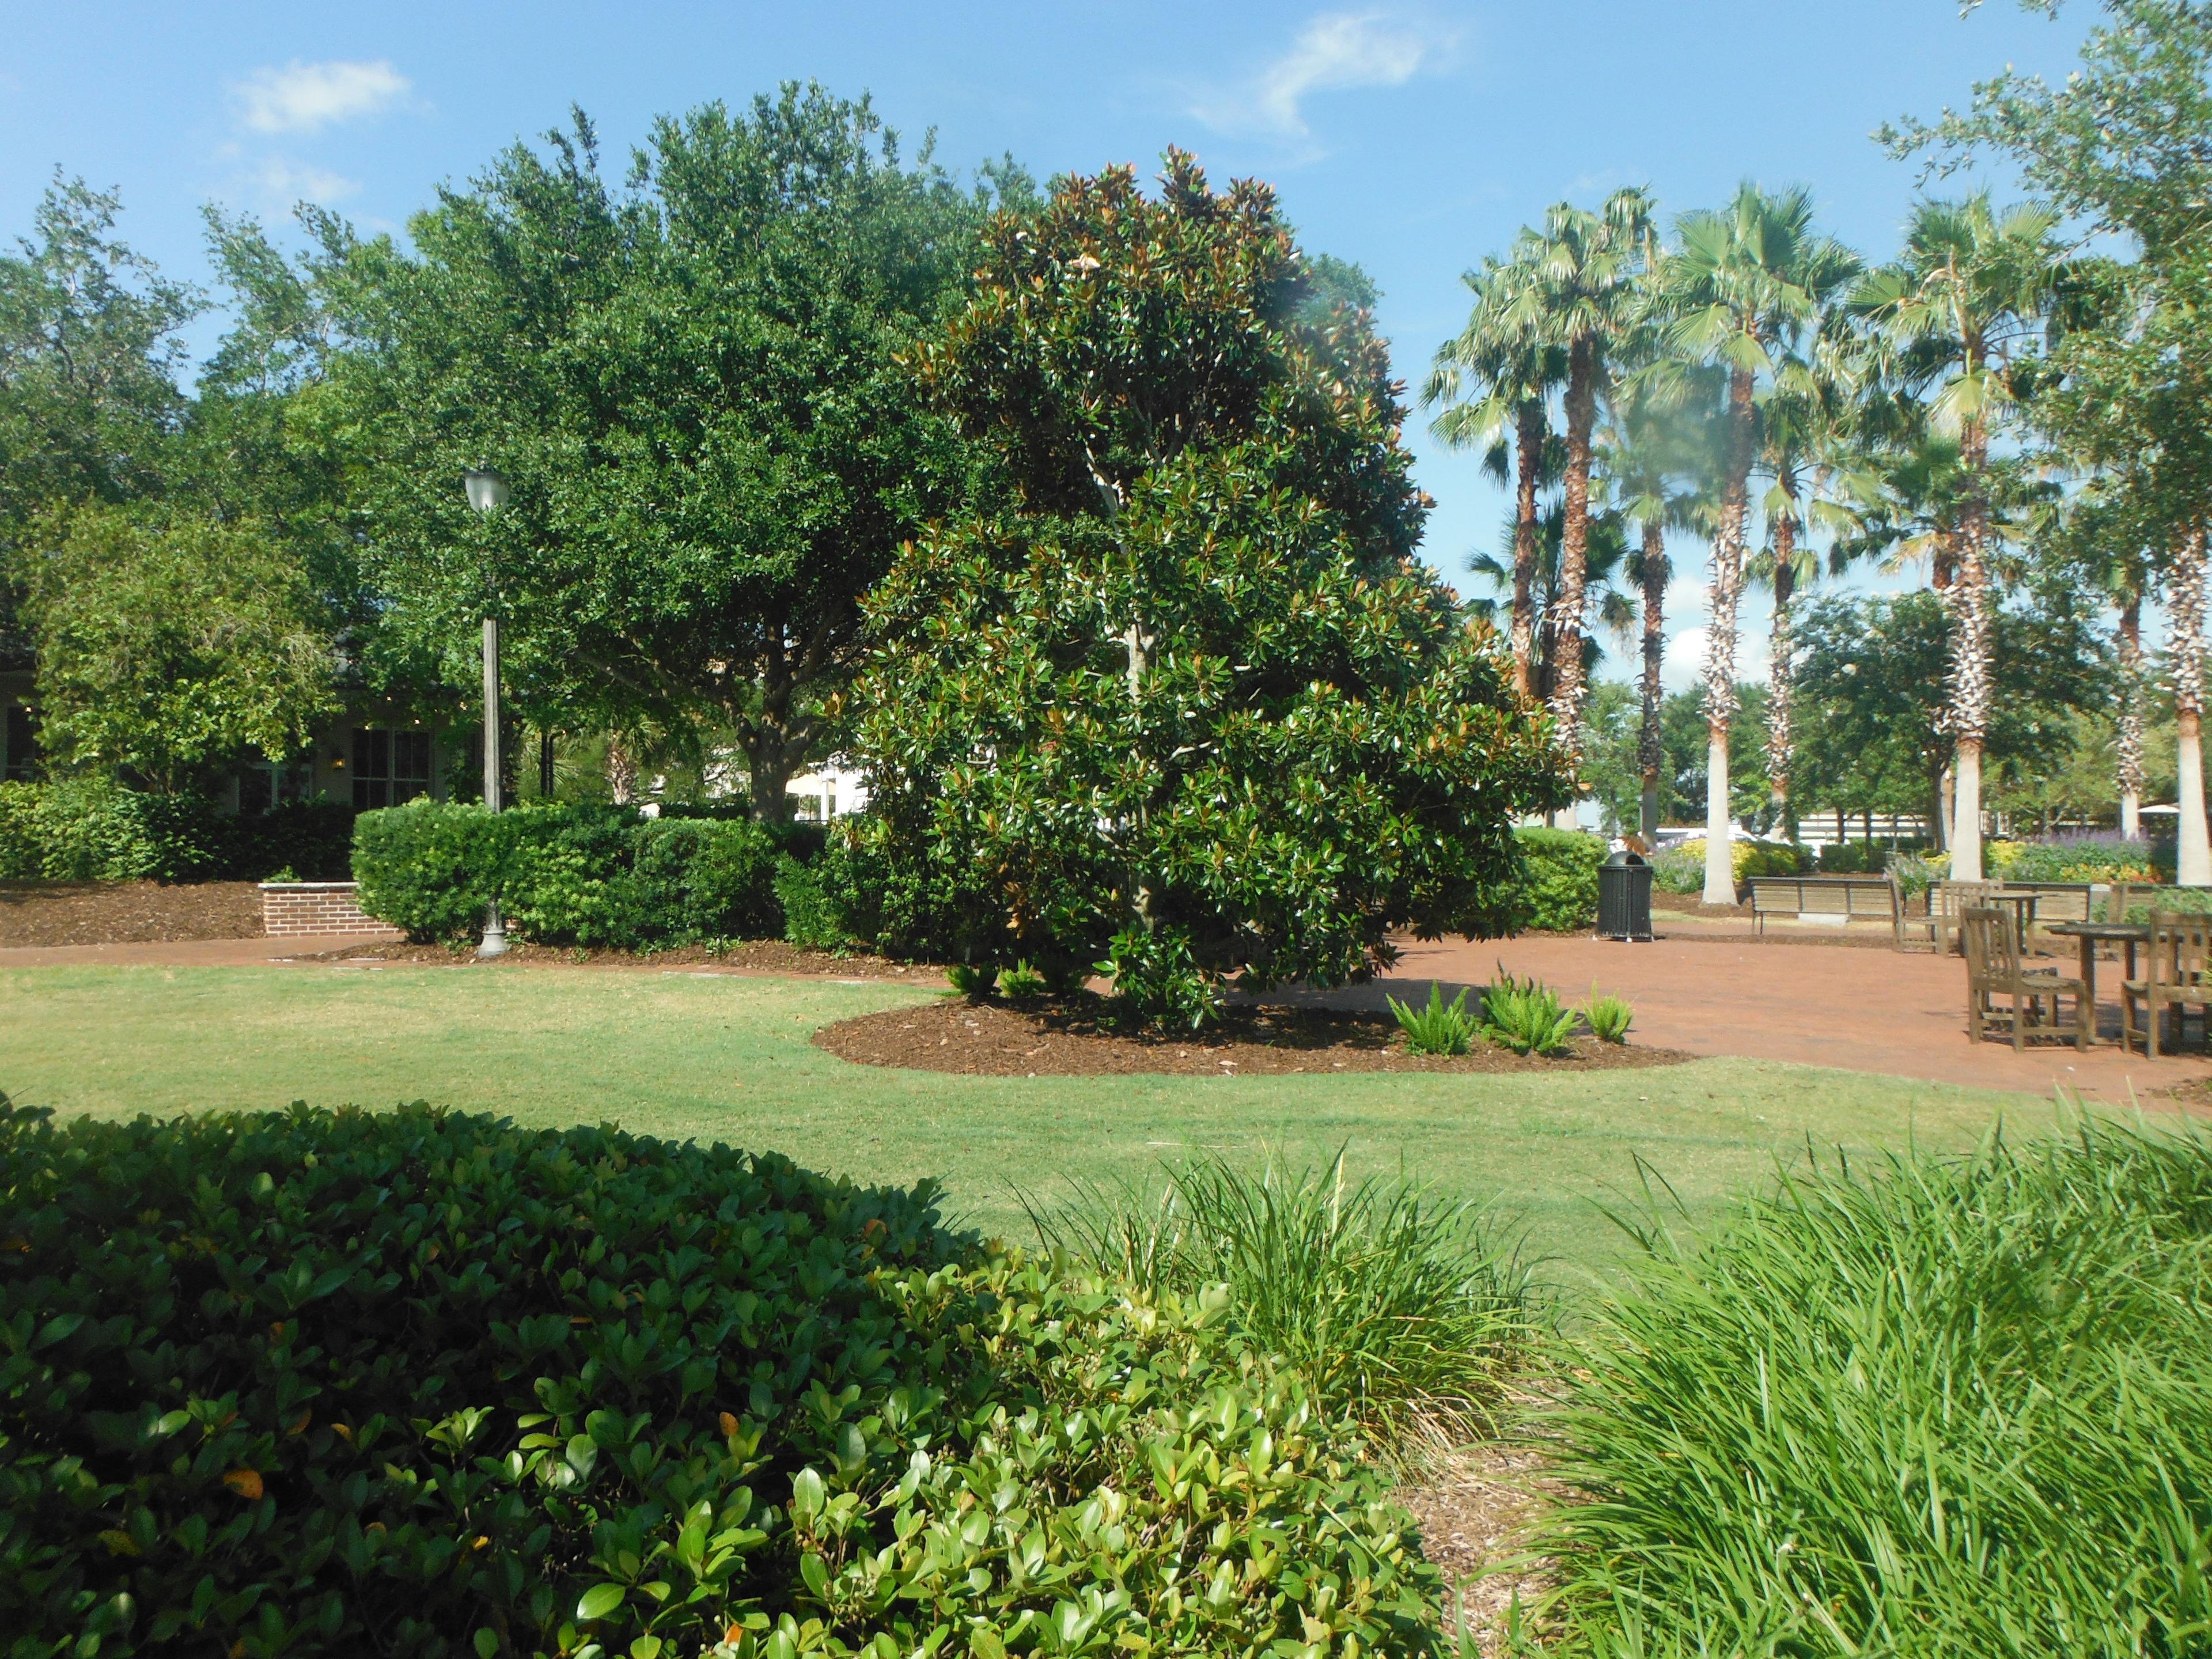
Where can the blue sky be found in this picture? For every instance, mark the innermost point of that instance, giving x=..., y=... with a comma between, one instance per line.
x=1413, y=138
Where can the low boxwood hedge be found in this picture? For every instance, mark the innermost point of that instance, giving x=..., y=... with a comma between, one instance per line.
x=575, y=873
x=342, y=1382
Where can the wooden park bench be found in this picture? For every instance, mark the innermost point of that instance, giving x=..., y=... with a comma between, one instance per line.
x=1870, y=898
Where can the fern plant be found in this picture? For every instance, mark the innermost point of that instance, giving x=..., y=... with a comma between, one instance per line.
x=1020, y=982
x=1609, y=1017
x=1526, y=1016
x=1441, y=1028
x=973, y=980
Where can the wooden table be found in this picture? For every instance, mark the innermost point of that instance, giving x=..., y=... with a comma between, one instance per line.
x=2127, y=934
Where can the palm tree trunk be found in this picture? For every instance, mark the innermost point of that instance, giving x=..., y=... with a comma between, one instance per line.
x=1720, y=642
x=1780, y=684
x=2131, y=721
x=1566, y=700
x=1650, y=750
x=1969, y=669
x=2184, y=613
x=1529, y=465
x=622, y=772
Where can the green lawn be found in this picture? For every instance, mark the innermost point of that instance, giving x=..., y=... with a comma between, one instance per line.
x=726, y=1058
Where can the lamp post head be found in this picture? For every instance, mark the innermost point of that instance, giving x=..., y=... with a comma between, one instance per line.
x=487, y=489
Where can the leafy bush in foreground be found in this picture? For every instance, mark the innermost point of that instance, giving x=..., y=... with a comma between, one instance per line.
x=1525, y=1015
x=1397, y=1308
x=420, y=1383
x=1957, y=1408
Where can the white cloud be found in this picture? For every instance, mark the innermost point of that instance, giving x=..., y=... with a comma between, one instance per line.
x=284, y=184
x=1336, y=50
x=307, y=97
x=1683, y=667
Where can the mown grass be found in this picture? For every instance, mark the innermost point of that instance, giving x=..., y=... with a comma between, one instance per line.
x=1938, y=1406
x=729, y=1059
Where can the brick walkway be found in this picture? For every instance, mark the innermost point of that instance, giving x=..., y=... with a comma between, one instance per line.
x=1873, y=1009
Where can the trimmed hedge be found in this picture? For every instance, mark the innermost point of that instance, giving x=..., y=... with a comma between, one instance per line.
x=566, y=873
x=1558, y=891
x=86, y=830
x=421, y=1383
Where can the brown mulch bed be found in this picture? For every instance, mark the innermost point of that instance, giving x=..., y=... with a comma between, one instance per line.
x=1689, y=904
x=992, y=1040
x=1473, y=1507
x=126, y=912
x=750, y=957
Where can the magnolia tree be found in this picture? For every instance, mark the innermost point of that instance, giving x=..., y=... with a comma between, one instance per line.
x=1186, y=706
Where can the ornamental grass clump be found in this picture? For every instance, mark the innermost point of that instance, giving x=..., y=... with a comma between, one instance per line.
x=1942, y=1406
x=1405, y=1313
x=417, y=1384
x=1526, y=1016
x=1440, y=1028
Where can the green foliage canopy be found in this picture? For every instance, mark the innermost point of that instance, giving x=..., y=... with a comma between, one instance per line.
x=695, y=387
x=1188, y=703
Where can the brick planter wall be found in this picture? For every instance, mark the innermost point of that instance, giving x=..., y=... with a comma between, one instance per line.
x=292, y=907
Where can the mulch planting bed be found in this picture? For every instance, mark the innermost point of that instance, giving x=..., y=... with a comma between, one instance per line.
x=34, y=913
x=992, y=1040
x=749, y=957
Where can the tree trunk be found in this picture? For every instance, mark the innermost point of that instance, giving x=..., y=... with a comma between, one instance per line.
x=622, y=772
x=1566, y=700
x=771, y=765
x=2131, y=721
x=1720, y=640
x=1780, y=679
x=1969, y=669
x=1650, y=748
x=2184, y=613
x=1528, y=463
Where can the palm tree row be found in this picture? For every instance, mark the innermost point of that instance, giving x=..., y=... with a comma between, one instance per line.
x=1651, y=386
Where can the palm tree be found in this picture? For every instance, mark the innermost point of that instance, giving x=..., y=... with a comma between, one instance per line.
x=1654, y=466
x=1744, y=288
x=1607, y=562
x=1962, y=310
x=1584, y=272
x=1495, y=380
x=1807, y=451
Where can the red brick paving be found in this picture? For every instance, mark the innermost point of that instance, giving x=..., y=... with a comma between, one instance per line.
x=1903, y=1015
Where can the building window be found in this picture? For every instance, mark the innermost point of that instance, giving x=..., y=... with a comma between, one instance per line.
x=389, y=768
x=271, y=783
x=22, y=744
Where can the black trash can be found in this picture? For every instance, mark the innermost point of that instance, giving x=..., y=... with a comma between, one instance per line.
x=1624, y=897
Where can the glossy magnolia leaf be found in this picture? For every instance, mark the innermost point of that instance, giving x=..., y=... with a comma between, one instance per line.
x=599, y=1601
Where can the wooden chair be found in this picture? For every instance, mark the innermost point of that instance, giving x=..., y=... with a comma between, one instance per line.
x=1948, y=900
x=1994, y=971
x=2177, y=972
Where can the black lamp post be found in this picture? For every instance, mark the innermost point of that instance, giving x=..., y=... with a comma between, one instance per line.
x=487, y=493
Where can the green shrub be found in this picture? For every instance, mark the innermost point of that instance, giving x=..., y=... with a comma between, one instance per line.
x=1914, y=873
x=695, y=878
x=2098, y=856
x=573, y=874
x=810, y=915
x=1526, y=1016
x=1609, y=1017
x=1675, y=870
x=1557, y=888
x=417, y=1384
x=1949, y=1408
x=90, y=829
x=1440, y=1028
x=1395, y=1306
x=2174, y=901
x=1860, y=858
